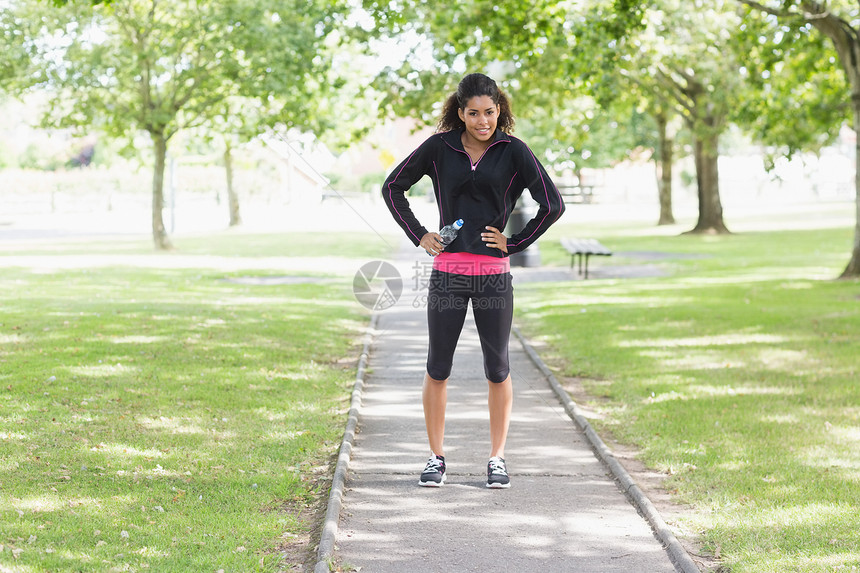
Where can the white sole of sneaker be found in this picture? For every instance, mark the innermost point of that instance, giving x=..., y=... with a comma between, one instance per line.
x=432, y=483
x=498, y=485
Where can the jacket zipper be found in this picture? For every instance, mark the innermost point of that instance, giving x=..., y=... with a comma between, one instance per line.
x=475, y=166
x=469, y=157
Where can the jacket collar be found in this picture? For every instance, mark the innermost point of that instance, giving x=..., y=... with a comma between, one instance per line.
x=452, y=137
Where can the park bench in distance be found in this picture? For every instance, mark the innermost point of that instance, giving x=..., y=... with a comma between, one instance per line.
x=584, y=248
x=342, y=195
x=577, y=193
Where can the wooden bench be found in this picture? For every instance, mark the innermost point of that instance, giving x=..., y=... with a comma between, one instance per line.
x=584, y=248
x=342, y=195
x=577, y=193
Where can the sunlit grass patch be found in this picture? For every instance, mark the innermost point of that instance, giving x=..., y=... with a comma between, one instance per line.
x=736, y=376
x=166, y=419
x=227, y=244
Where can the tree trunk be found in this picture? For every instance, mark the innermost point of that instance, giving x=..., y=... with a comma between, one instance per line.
x=853, y=268
x=232, y=196
x=707, y=176
x=664, y=171
x=159, y=235
x=847, y=43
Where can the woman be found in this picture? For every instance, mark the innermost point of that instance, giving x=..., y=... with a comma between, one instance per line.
x=478, y=172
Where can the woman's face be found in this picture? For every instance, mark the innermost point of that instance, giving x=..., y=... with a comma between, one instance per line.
x=480, y=117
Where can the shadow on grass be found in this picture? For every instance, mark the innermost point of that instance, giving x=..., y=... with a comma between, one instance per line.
x=743, y=391
x=165, y=418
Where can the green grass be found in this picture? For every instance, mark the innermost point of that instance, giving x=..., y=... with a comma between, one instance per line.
x=736, y=374
x=234, y=243
x=167, y=419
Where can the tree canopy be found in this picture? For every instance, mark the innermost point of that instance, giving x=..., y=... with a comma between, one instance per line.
x=591, y=81
x=160, y=67
x=710, y=61
x=837, y=22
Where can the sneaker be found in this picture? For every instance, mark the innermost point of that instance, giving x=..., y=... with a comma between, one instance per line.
x=434, y=472
x=497, y=474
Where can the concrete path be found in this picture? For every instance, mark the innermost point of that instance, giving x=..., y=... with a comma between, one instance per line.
x=564, y=511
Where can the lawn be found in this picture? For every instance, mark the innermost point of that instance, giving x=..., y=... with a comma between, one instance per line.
x=735, y=374
x=155, y=415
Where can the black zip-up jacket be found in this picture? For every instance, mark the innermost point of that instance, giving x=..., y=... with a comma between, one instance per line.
x=481, y=194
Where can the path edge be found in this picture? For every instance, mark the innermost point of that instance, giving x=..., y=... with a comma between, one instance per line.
x=326, y=548
x=678, y=555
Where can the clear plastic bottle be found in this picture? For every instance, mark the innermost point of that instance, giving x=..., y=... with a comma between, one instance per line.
x=449, y=233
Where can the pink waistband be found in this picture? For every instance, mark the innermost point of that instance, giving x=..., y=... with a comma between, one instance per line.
x=471, y=264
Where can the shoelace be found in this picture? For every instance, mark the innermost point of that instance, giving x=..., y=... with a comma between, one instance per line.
x=498, y=467
x=433, y=465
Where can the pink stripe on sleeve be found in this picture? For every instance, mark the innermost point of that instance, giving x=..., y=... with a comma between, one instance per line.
x=439, y=196
x=505, y=200
x=546, y=194
x=391, y=200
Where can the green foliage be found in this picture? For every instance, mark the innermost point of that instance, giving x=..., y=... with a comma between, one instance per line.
x=7, y=156
x=371, y=182
x=800, y=98
x=603, y=137
x=574, y=68
x=548, y=56
x=836, y=22
x=20, y=24
x=34, y=157
x=169, y=70
x=136, y=65
x=367, y=183
x=93, y=2
x=685, y=57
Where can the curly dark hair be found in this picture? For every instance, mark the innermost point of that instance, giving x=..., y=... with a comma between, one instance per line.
x=474, y=85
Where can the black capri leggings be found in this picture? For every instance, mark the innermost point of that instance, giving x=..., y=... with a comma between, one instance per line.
x=448, y=299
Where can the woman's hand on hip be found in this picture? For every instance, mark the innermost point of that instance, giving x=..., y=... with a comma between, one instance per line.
x=494, y=239
x=432, y=243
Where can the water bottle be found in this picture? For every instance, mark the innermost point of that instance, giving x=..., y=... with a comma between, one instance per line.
x=449, y=233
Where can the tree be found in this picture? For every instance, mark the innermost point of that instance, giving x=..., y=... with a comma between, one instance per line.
x=229, y=127
x=234, y=124
x=553, y=56
x=799, y=99
x=160, y=67
x=16, y=29
x=686, y=56
x=640, y=93
x=482, y=35
x=625, y=116
x=835, y=21
x=583, y=134
x=665, y=160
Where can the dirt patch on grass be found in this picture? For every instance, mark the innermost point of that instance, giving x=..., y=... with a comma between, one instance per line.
x=297, y=548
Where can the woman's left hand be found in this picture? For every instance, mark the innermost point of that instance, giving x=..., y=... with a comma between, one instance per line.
x=494, y=239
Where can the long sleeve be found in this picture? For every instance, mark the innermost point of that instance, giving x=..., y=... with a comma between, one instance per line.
x=399, y=181
x=543, y=191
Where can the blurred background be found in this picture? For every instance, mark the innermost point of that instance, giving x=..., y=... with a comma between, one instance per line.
x=130, y=116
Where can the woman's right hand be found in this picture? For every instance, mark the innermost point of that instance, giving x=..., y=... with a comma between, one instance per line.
x=432, y=243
